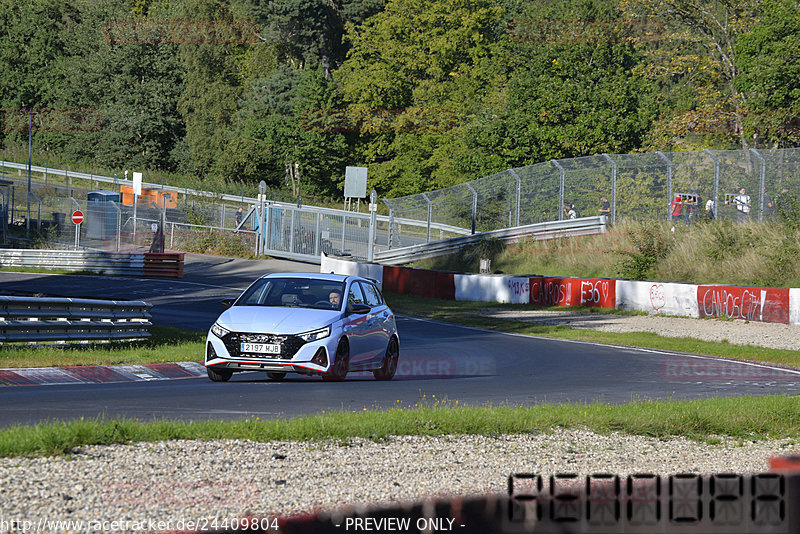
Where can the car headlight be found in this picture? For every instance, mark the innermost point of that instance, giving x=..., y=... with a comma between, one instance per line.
x=315, y=334
x=218, y=331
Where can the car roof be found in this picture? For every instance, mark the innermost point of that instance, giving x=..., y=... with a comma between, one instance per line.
x=315, y=276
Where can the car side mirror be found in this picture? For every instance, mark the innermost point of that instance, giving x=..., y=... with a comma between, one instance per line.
x=358, y=309
x=227, y=303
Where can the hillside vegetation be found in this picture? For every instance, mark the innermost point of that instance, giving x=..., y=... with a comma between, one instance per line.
x=754, y=254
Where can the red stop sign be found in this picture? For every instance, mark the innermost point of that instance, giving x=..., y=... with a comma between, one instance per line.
x=77, y=216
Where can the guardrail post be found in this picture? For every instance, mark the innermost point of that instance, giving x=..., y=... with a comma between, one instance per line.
x=669, y=183
x=558, y=166
x=430, y=212
x=763, y=171
x=613, y=188
x=474, y=206
x=716, y=181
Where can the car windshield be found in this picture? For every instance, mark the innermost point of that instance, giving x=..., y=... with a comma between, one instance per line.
x=294, y=293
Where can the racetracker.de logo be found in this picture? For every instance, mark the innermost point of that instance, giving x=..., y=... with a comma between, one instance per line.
x=680, y=370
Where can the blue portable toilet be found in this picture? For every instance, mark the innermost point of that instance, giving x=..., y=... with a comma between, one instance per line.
x=101, y=214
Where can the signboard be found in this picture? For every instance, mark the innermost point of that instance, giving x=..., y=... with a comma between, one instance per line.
x=77, y=217
x=355, y=182
x=137, y=183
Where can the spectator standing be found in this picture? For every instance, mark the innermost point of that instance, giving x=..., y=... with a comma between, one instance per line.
x=605, y=207
x=239, y=216
x=677, y=209
x=709, y=209
x=742, y=201
x=570, y=212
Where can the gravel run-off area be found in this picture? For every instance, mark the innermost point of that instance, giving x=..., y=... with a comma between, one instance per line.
x=201, y=480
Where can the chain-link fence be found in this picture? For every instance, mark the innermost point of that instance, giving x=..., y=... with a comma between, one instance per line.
x=682, y=186
x=657, y=185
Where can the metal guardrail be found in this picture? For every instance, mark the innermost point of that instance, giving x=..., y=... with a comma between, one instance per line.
x=31, y=319
x=547, y=230
x=118, y=263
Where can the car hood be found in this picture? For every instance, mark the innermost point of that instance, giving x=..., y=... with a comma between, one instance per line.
x=275, y=320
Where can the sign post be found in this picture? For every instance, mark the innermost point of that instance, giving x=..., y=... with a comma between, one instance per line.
x=77, y=219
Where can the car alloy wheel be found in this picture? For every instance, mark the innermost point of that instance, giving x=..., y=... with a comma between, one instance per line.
x=341, y=363
x=389, y=364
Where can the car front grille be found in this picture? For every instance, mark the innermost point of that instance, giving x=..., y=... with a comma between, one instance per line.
x=289, y=345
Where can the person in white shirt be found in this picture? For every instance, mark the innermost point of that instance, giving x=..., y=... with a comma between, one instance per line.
x=742, y=205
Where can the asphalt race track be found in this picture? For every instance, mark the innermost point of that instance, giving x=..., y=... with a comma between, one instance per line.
x=437, y=362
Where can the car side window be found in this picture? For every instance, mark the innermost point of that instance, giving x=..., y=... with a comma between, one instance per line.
x=371, y=294
x=355, y=296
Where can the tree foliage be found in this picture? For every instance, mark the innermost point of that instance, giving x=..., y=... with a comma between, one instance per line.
x=425, y=93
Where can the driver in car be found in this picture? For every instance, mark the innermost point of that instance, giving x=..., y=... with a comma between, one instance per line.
x=335, y=299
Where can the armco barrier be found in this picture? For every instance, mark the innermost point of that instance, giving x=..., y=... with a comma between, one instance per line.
x=31, y=319
x=168, y=265
x=685, y=300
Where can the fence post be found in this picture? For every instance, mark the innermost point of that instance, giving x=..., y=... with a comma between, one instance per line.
x=119, y=227
x=373, y=217
x=344, y=228
x=474, y=206
x=613, y=188
x=518, y=194
x=135, y=203
x=716, y=182
x=389, y=238
x=316, y=235
x=669, y=182
x=763, y=171
x=430, y=211
x=558, y=166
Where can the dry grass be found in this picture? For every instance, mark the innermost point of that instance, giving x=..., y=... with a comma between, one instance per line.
x=754, y=254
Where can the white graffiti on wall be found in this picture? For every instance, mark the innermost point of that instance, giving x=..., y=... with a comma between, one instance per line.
x=749, y=305
x=594, y=292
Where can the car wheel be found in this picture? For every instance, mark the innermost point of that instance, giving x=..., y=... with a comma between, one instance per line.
x=219, y=375
x=389, y=364
x=341, y=363
x=276, y=375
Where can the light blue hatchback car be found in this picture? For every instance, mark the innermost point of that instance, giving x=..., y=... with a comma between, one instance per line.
x=308, y=323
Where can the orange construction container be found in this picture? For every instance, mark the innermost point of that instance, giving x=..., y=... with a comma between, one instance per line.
x=155, y=196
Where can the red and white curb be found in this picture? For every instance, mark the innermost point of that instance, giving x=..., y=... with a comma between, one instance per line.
x=93, y=374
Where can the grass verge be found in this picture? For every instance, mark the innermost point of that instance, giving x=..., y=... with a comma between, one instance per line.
x=467, y=314
x=742, y=418
x=167, y=344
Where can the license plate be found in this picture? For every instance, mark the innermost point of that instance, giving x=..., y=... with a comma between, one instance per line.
x=261, y=348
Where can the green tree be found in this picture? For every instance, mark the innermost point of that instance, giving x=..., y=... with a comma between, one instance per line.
x=698, y=51
x=770, y=74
